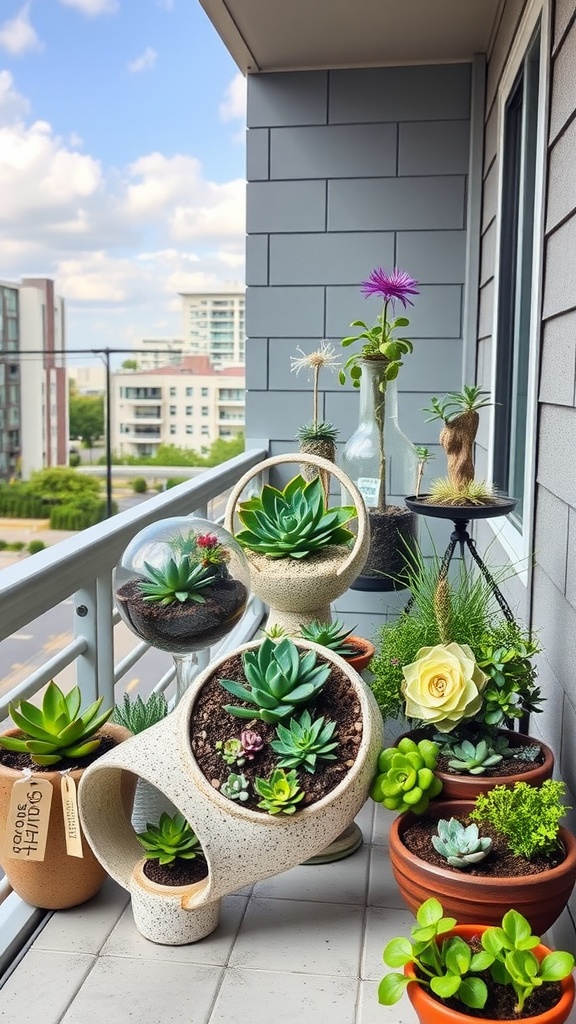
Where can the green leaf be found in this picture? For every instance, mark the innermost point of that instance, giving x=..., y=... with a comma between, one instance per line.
x=429, y=912
x=556, y=966
x=446, y=986
x=398, y=952
x=473, y=992
x=391, y=989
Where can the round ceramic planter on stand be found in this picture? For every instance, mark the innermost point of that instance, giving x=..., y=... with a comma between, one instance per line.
x=432, y=1011
x=241, y=846
x=469, y=898
x=298, y=591
x=59, y=881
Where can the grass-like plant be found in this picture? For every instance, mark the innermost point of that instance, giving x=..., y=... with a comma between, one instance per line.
x=527, y=816
x=304, y=742
x=172, y=837
x=138, y=714
x=58, y=728
x=279, y=679
x=443, y=492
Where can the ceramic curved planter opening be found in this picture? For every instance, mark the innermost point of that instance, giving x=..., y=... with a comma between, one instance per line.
x=241, y=846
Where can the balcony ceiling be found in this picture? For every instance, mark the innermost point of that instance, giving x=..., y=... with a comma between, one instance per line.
x=295, y=35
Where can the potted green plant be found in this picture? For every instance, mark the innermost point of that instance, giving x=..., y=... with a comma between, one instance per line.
x=269, y=757
x=301, y=552
x=136, y=714
x=460, y=974
x=378, y=457
x=530, y=864
x=45, y=755
x=357, y=651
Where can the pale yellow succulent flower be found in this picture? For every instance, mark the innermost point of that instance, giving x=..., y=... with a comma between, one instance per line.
x=443, y=686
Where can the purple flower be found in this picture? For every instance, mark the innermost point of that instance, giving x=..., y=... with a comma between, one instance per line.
x=396, y=285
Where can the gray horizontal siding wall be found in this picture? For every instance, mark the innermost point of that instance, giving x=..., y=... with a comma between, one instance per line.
x=349, y=170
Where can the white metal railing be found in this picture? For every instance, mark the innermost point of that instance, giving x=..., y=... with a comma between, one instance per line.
x=82, y=567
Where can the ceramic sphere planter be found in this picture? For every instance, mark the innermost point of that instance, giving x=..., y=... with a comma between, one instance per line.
x=241, y=846
x=469, y=898
x=299, y=591
x=60, y=880
x=467, y=787
x=432, y=1011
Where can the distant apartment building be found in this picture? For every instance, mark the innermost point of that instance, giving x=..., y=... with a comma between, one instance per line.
x=189, y=405
x=213, y=325
x=154, y=352
x=89, y=380
x=33, y=392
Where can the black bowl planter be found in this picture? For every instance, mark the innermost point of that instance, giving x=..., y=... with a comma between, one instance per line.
x=393, y=534
x=499, y=506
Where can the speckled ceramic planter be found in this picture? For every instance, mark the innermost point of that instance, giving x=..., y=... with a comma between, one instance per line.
x=298, y=591
x=241, y=846
x=59, y=881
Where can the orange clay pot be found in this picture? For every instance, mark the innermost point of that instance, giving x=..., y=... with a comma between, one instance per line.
x=366, y=651
x=59, y=881
x=470, y=898
x=431, y=1011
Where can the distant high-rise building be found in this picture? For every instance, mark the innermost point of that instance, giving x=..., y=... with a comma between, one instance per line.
x=33, y=391
x=153, y=352
x=213, y=325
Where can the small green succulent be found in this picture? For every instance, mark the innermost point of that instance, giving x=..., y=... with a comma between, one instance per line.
x=57, y=729
x=235, y=788
x=172, y=837
x=232, y=751
x=460, y=844
x=137, y=715
x=405, y=779
x=280, y=792
x=176, y=581
x=304, y=742
x=332, y=635
x=279, y=678
x=294, y=522
x=475, y=758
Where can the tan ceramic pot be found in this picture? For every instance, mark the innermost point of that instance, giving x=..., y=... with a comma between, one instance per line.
x=298, y=591
x=159, y=909
x=241, y=845
x=59, y=881
x=471, y=898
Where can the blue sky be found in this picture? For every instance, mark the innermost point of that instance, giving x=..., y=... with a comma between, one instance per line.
x=122, y=160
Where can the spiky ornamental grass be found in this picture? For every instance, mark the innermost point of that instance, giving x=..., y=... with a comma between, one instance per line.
x=279, y=677
x=294, y=522
x=172, y=837
x=304, y=742
x=137, y=715
x=176, y=582
x=443, y=492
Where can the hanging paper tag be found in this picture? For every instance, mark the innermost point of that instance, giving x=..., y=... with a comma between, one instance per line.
x=71, y=818
x=28, y=819
x=368, y=487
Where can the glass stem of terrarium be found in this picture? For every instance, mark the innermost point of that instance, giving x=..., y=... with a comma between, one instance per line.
x=373, y=403
x=186, y=666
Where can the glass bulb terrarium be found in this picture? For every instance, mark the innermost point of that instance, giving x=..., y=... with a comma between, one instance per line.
x=182, y=585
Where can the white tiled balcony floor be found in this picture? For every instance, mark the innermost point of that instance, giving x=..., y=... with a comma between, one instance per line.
x=304, y=947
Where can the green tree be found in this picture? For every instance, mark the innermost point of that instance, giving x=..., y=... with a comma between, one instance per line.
x=86, y=418
x=59, y=485
x=130, y=364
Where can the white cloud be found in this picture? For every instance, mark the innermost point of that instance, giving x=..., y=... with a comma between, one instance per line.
x=93, y=7
x=218, y=213
x=13, y=106
x=144, y=62
x=18, y=35
x=233, y=105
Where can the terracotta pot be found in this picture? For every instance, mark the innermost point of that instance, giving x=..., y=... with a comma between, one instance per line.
x=298, y=591
x=59, y=881
x=431, y=1011
x=470, y=898
x=468, y=787
x=241, y=845
x=366, y=651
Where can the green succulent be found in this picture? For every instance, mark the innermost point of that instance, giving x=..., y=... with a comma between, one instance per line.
x=475, y=758
x=280, y=792
x=405, y=779
x=323, y=431
x=460, y=844
x=279, y=678
x=57, y=729
x=471, y=398
x=505, y=655
x=235, y=787
x=176, y=581
x=294, y=522
x=137, y=715
x=304, y=742
x=169, y=839
x=332, y=635
x=232, y=751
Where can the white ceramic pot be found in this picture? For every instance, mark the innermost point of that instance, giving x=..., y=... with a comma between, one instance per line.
x=241, y=846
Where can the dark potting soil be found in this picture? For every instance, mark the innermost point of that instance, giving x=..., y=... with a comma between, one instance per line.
x=507, y=766
x=391, y=530
x=500, y=862
x=502, y=998
x=210, y=723
x=180, y=628
x=19, y=761
x=179, y=872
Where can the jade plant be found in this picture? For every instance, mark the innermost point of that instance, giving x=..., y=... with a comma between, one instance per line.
x=293, y=523
x=57, y=729
x=304, y=742
x=281, y=792
x=171, y=838
x=405, y=779
x=332, y=635
x=460, y=845
x=279, y=679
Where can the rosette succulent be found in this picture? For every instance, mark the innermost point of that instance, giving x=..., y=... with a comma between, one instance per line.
x=279, y=679
x=236, y=787
x=280, y=792
x=176, y=582
x=57, y=729
x=475, y=758
x=332, y=635
x=232, y=751
x=405, y=779
x=443, y=686
x=460, y=844
x=304, y=741
x=252, y=743
x=294, y=522
x=169, y=839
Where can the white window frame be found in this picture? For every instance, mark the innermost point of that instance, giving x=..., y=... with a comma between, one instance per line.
x=518, y=543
